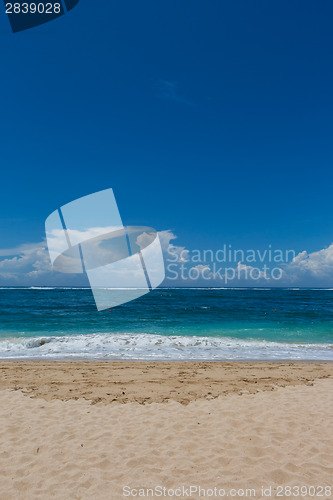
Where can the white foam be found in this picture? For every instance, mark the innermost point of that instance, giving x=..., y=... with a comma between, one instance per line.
x=130, y=346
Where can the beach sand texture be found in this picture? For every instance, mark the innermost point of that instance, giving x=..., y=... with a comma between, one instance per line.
x=211, y=432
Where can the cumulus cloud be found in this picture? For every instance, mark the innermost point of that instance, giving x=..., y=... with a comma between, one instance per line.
x=29, y=260
x=172, y=252
x=30, y=264
x=204, y=271
x=315, y=268
x=245, y=271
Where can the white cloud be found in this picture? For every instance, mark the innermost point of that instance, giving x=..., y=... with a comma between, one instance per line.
x=172, y=252
x=29, y=260
x=315, y=267
x=203, y=270
x=30, y=264
x=244, y=271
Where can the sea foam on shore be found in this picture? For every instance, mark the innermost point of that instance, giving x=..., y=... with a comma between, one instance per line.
x=159, y=347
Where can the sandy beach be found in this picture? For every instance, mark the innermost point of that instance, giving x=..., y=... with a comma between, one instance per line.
x=105, y=430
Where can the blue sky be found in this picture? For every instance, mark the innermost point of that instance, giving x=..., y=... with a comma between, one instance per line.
x=212, y=120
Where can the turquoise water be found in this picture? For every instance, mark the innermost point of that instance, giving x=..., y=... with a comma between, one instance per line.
x=168, y=324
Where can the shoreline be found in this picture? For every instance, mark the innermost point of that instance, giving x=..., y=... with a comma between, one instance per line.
x=160, y=348
x=77, y=359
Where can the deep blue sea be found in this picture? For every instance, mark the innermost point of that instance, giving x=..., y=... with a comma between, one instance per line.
x=168, y=324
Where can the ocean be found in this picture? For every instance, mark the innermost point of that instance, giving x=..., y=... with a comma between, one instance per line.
x=168, y=324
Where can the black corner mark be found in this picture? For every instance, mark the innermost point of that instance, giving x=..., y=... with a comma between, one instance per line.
x=26, y=14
